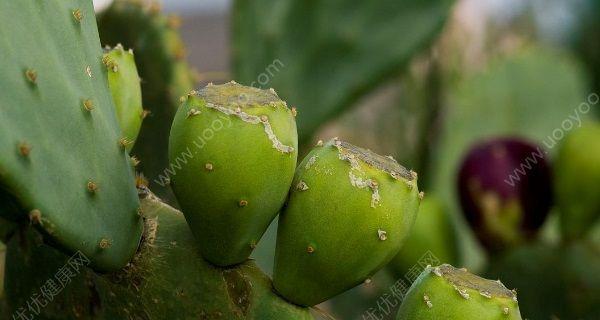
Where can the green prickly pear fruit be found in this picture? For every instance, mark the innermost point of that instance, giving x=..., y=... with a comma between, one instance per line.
x=124, y=84
x=445, y=292
x=348, y=214
x=233, y=152
x=433, y=232
x=577, y=180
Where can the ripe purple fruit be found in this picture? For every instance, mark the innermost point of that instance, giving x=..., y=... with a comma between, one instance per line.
x=505, y=191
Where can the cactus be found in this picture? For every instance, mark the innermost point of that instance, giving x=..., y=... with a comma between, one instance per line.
x=505, y=210
x=569, y=289
x=433, y=231
x=348, y=214
x=124, y=83
x=445, y=292
x=577, y=185
x=62, y=162
x=166, y=277
x=160, y=58
x=237, y=147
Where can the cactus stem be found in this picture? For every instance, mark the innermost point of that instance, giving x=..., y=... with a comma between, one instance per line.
x=302, y=186
x=243, y=203
x=31, y=75
x=208, y=166
x=88, y=104
x=78, y=15
x=104, y=243
x=24, y=149
x=382, y=235
x=35, y=216
x=92, y=187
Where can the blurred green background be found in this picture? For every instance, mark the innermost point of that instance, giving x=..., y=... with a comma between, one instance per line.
x=423, y=80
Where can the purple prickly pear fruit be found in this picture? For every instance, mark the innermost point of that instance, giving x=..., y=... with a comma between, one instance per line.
x=505, y=191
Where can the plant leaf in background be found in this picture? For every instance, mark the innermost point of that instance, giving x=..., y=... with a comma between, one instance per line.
x=324, y=55
x=530, y=93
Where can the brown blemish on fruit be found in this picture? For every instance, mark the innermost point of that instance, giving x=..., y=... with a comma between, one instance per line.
x=208, y=167
x=92, y=187
x=88, y=104
x=461, y=279
x=310, y=249
x=243, y=203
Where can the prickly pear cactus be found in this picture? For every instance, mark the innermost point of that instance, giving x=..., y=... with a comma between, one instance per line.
x=445, y=292
x=348, y=214
x=160, y=57
x=124, y=83
x=433, y=232
x=235, y=149
x=166, y=277
x=324, y=55
x=577, y=185
x=61, y=159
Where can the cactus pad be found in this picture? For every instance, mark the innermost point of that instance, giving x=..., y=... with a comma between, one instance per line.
x=348, y=214
x=60, y=158
x=124, y=83
x=233, y=154
x=166, y=277
x=445, y=292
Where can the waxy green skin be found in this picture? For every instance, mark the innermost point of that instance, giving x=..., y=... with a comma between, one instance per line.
x=234, y=181
x=448, y=293
x=124, y=84
x=577, y=180
x=61, y=162
x=330, y=233
x=167, y=279
x=432, y=232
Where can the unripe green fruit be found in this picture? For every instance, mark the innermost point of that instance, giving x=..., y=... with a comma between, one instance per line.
x=448, y=293
x=348, y=214
x=124, y=84
x=433, y=232
x=233, y=153
x=577, y=180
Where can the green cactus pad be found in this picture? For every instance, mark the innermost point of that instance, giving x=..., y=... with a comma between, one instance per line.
x=160, y=57
x=445, y=292
x=60, y=159
x=577, y=180
x=432, y=232
x=166, y=278
x=348, y=214
x=124, y=84
x=233, y=153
